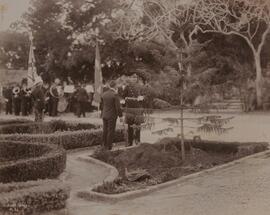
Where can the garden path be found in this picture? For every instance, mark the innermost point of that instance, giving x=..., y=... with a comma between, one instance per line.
x=240, y=189
x=246, y=126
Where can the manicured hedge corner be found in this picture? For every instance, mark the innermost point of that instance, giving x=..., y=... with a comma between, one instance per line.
x=31, y=161
x=68, y=139
x=33, y=197
x=44, y=127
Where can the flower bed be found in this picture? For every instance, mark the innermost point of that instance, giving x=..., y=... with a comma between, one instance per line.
x=32, y=197
x=44, y=127
x=151, y=164
x=68, y=139
x=23, y=161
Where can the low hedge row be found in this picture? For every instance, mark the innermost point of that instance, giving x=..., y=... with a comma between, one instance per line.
x=14, y=121
x=44, y=127
x=41, y=161
x=68, y=140
x=30, y=198
x=12, y=151
x=243, y=149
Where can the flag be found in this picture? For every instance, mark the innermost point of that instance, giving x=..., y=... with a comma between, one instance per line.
x=32, y=70
x=98, y=77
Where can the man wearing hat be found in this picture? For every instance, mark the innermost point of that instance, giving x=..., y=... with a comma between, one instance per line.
x=38, y=94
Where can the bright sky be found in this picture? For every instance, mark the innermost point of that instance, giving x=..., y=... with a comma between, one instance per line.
x=13, y=11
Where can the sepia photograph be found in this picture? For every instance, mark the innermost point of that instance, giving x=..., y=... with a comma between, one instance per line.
x=134, y=107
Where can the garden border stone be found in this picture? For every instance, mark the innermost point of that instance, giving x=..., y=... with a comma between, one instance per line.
x=114, y=198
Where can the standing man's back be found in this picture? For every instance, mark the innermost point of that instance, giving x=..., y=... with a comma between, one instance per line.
x=110, y=111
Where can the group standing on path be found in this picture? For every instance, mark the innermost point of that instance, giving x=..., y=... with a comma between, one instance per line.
x=116, y=100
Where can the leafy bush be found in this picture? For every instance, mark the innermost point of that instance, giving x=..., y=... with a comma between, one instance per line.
x=166, y=85
x=32, y=197
x=44, y=127
x=68, y=139
x=40, y=161
x=161, y=104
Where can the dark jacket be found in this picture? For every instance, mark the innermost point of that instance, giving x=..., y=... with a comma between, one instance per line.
x=7, y=93
x=133, y=108
x=38, y=95
x=81, y=95
x=110, y=105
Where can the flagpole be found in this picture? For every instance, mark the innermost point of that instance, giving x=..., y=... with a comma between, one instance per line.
x=98, y=76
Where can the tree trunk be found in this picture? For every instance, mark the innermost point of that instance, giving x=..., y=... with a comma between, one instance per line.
x=189, y=70
x=259, y=79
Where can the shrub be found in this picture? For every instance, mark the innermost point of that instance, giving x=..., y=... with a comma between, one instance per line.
x=230, y=147
x=13, y=151
x=40, y=161
x=68, y=139
x=161, y=104
x=44, y=127
x=32, y=197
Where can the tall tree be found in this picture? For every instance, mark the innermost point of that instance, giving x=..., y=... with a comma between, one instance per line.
x=247, y=19
x=13, y=46
x=51, y=38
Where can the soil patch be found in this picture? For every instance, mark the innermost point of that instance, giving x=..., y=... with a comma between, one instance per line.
x=151, y=164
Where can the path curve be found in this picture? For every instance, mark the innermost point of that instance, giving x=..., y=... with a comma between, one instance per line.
x=81, y=175
x=240, y=189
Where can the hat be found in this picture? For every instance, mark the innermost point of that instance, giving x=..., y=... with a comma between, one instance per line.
x=38, y=80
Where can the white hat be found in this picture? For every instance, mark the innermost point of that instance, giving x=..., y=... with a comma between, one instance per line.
x=38, y=80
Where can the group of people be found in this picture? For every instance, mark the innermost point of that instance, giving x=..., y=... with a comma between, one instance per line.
x=118, y=99
x=51, y=98
x=44, y=98
x=18, y=100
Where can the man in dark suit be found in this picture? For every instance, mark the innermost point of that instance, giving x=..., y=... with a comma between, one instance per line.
x=38, y=95
x=110, y=110
x=82, y=98
x=7, y=93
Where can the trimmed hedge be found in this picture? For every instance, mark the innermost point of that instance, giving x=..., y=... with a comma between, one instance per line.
x=32, y=197
x=11, y=151
x=44, y=127
x=14, y=121
x=68, y=140
x=243, y=149
x=36, y=161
